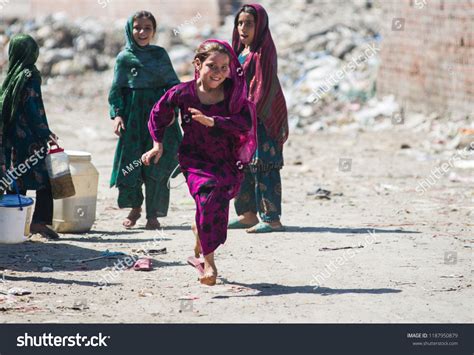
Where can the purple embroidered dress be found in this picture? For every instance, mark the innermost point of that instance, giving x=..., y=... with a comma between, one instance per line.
x=211, y=158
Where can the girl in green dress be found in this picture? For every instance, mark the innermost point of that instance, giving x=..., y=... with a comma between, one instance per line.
x=25, y=133
x=143, y=73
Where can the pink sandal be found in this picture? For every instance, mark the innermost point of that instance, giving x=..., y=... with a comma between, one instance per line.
x=143, y=265
x=197, y=264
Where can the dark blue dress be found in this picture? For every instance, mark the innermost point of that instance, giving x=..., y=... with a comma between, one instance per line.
x=26, y=141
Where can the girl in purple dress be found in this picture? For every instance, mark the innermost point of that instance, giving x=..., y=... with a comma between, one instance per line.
x=219, y=125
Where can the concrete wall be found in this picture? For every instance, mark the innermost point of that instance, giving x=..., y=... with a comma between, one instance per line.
x=428, y=55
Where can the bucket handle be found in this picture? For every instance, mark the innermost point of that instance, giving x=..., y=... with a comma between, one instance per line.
x=55, y=148
x=15, y=186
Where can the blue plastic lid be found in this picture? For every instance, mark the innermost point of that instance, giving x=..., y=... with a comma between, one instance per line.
x=12, y=201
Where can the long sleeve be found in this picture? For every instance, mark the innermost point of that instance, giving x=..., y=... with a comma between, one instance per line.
x=2, y=152
x=116, y=101
x=238, y=123
x=162, y=114
x=34, y=110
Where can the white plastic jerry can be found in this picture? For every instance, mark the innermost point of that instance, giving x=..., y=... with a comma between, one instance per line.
x=77, y=214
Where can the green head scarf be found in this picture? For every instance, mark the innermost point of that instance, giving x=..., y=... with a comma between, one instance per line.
x=22, y=53
x=143, y=67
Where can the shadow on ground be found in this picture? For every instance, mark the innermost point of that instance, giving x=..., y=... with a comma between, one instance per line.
x=34, y=257
x=269, y=289
x=346, y=230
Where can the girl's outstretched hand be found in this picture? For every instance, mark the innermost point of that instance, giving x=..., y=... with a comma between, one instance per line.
x=201, y=118
x=119, y=125
x=155, y=152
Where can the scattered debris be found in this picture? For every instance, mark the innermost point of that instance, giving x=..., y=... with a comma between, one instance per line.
x=190, y=298
x=452, y=277
x=320, y=194
x=80, y=305
x=341, y=248
x=24, y=309
x=161, y=251
x=16, y=291
x=328, y=72
x=323, y=194
x=103, y=255
x=145, y=293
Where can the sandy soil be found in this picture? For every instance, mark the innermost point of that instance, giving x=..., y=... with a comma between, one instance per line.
x=410, y=256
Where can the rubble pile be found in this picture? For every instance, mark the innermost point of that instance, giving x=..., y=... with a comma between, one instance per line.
x=328, y=60
x=73, y=47
x=328, y=53
x=67, y=47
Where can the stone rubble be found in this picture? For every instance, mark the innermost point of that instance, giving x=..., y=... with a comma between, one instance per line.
x=327, y=53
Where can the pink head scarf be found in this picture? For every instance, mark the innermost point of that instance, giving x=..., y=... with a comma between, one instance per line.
x=237, y=102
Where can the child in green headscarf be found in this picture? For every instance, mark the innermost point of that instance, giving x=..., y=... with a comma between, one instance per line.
x=26, y=132
x=143, y=73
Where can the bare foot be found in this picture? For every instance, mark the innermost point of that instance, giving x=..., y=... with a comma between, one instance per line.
x=152, y=224
x=275, y=224
x=210, y=271
x=44, y=231
x=197, y=246
x=248, y=218
x=132, y=218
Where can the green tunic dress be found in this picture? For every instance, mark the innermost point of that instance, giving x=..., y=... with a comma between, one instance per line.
x=129, y=174
x=142, y=76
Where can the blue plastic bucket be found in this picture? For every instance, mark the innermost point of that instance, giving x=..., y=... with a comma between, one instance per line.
x=15, y=218
x=15, y=201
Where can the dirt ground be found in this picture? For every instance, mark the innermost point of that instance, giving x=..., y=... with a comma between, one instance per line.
x=401, y=256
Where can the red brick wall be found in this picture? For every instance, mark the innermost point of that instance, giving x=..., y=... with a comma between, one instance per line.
x=429, y=66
